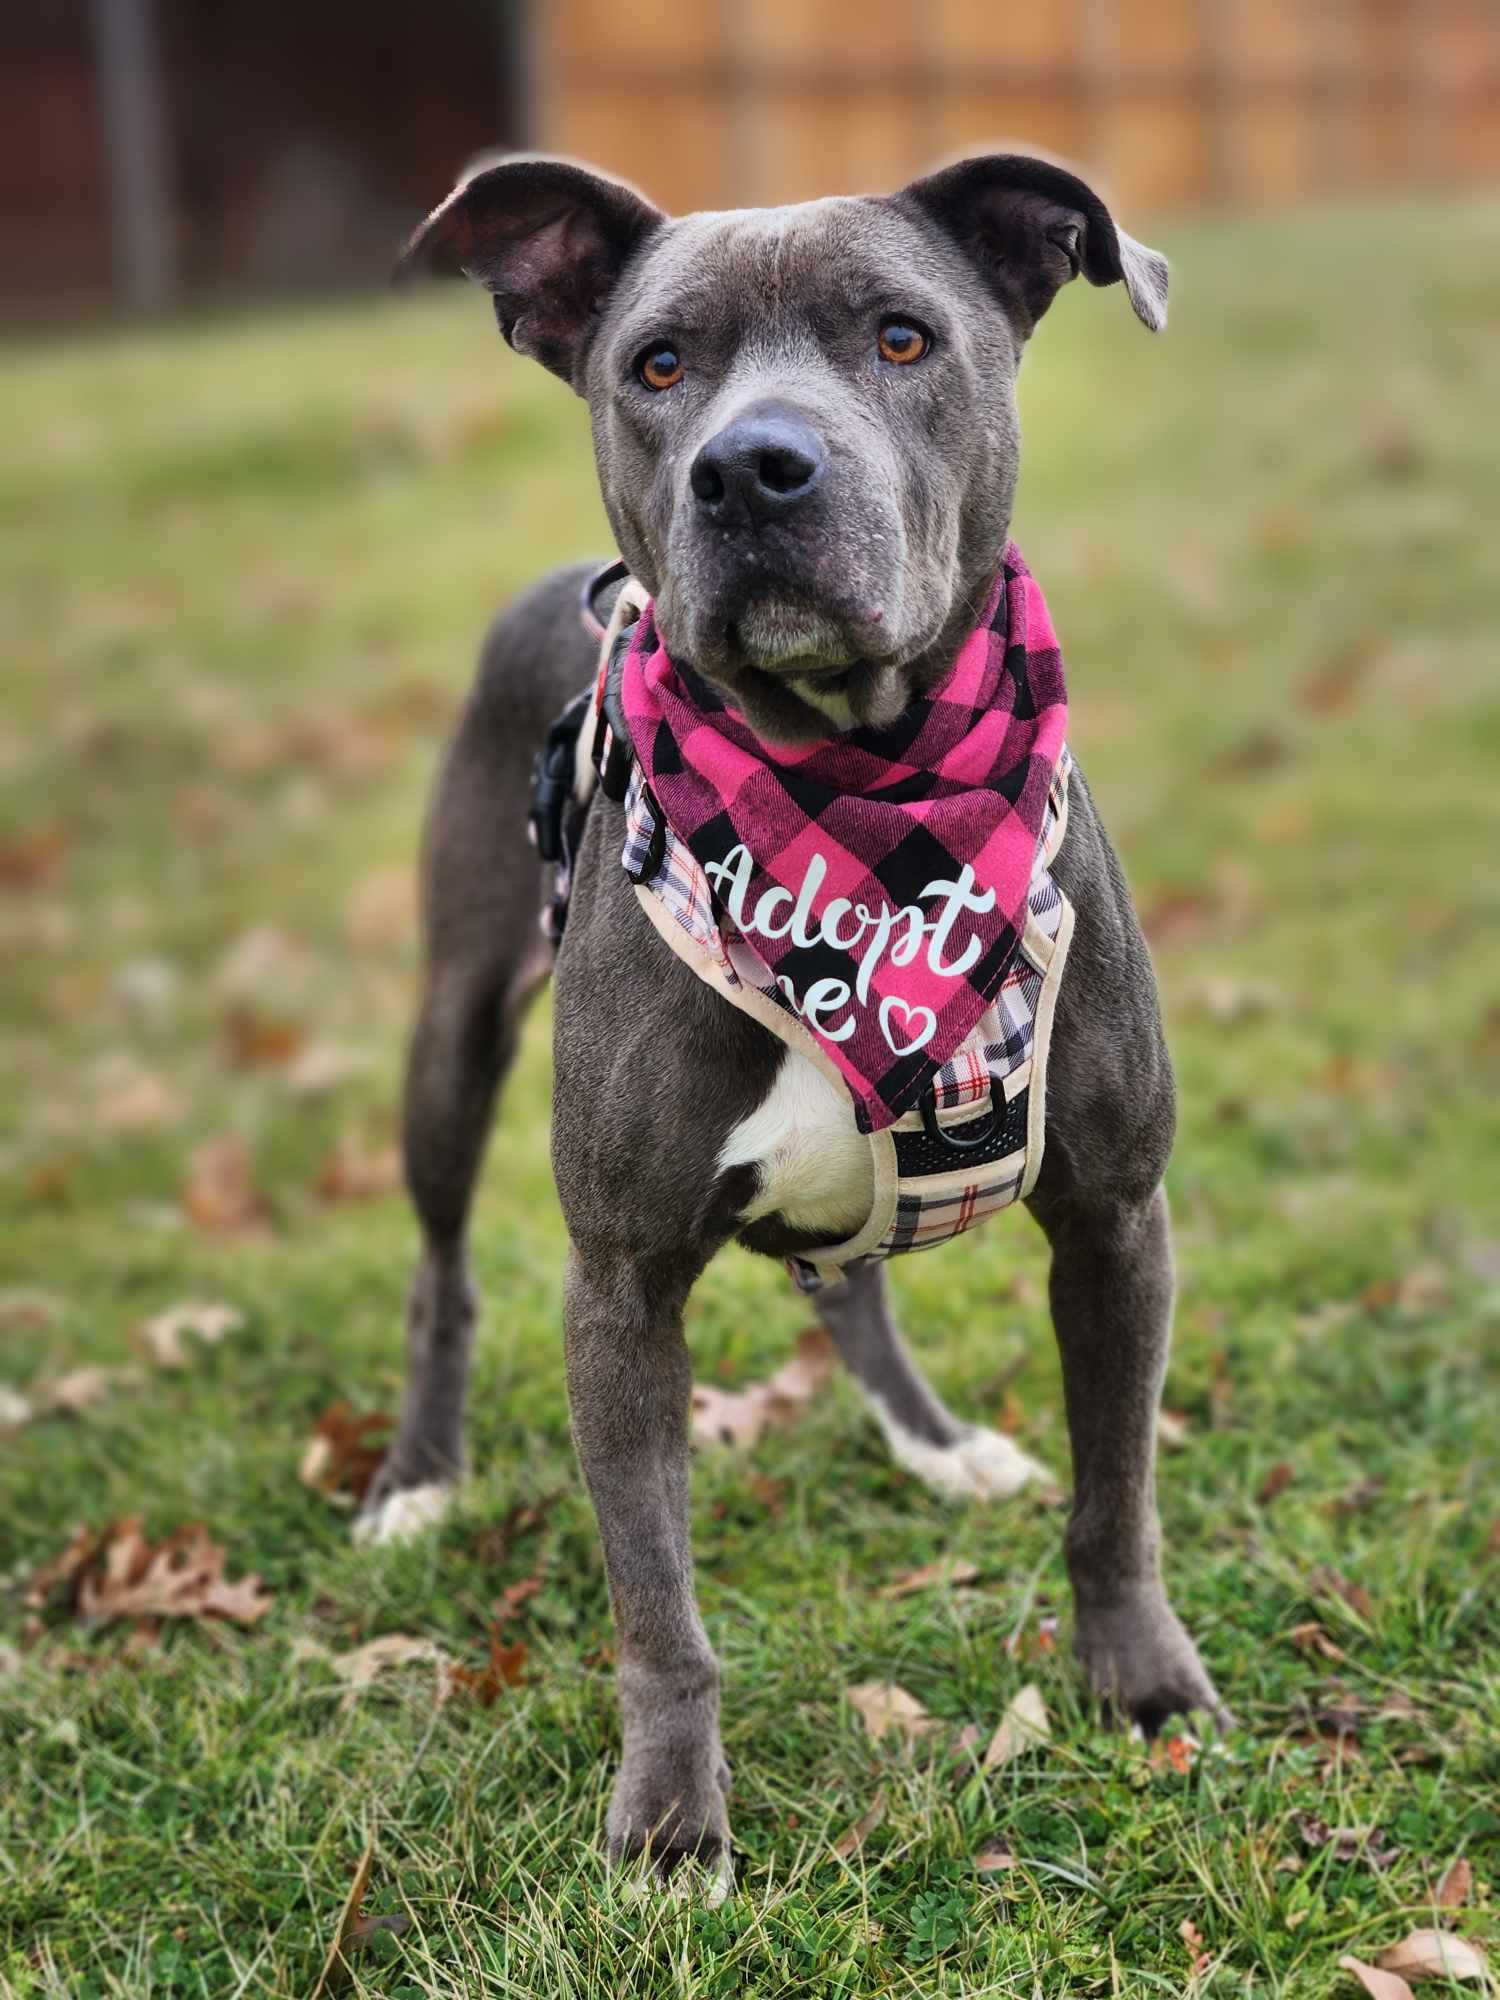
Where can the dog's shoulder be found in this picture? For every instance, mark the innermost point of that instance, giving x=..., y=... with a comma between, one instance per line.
x=1111, y=1101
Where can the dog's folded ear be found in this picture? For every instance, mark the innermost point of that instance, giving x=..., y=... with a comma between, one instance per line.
x=1030, y=226
x=549, y=239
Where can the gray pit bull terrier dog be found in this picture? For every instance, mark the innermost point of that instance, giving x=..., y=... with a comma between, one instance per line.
x=805, y=426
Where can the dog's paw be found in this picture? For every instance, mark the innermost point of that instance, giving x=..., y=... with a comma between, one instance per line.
x=402, y=1515
x=670, y=1813
x=1143, y=1667
x=979, y=1465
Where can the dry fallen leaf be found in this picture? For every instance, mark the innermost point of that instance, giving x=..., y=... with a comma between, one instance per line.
x=1363, y=1493
x=335, y=1974
x=1232, y=1000
x=80, y=1388
x=945, y=1572
x=883, y=1706
x=15, y=1411
x=344, y=1453
x=383, y=909
x=1172, y=1430
x=219, y=1194
x=1349, y=1843
x=501, y=1670
x=164, y=1333
x=1023, y=1726
x=146, y=990
x=1174, y=1753
x=362, y=1667
x=136, y=1102
x=118, y=1574
x=1309, y=1637
x=357, y=1173
x=1332, y=687
x=263, y=965
x=61, y=1573
x=1192, y=1937
x=738, y=1418
x=1178, y=916
x=321, y=1067
x=994, y=1860
x=1275, y=1483
x=364, y=1929
x=1422, y=1291
x=1456, y=1886
x=182, y=1577
x=517, y=1594
x=257, y=1040
x=1429, y=1954
x=1379, y=1985
x=27, y=1308
x=33, y=860
x=854, y=1837
x=1326, y=1581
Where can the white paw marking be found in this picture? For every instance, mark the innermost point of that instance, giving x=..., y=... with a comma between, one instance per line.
x=707, y=1882
x=980, y=1465
x=401, y=1517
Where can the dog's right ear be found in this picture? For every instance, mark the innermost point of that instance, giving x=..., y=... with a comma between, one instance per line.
x=548, y=239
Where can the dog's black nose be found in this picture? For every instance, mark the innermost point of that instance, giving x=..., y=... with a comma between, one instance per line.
x=757, y=467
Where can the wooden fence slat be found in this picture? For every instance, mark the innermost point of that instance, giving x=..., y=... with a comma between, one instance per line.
x=1170, y=101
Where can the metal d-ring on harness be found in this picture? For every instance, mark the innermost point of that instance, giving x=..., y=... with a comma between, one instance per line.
x=928, y=1107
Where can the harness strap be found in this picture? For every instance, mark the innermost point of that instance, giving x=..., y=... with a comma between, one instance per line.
x=610, y=751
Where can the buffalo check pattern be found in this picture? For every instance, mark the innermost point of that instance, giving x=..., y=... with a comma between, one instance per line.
x=961, y=783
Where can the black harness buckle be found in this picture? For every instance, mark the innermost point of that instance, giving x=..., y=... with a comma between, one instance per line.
x=552, y=775
x=951, y=1140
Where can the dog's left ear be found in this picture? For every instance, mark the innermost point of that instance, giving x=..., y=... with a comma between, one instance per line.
x=1030, y=226
x=548, y=239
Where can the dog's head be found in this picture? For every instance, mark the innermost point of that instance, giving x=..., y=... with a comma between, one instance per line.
x=804, y=417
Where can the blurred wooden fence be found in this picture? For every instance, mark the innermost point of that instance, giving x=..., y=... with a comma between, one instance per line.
x=722, y=102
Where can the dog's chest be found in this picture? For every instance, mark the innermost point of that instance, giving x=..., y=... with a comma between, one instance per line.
x=815, y=1165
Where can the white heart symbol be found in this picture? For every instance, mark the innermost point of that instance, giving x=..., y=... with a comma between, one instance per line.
x=922, y=1019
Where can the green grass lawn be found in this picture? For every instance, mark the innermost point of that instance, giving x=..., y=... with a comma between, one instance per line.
x=243, y=567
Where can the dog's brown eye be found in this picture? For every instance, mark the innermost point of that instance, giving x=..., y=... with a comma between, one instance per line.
x=902, y=343
x=661, y=368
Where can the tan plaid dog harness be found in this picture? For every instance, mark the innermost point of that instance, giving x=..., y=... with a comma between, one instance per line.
x=972, y=1144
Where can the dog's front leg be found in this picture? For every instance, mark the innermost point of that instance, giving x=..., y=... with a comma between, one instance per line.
x=1111, y=1293
x=629, y=1383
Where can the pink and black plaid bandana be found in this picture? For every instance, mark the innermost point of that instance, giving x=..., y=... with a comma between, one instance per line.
x=881, y=875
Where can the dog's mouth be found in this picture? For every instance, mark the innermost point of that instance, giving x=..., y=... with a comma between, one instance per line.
x=781, y=635
x=797, y=661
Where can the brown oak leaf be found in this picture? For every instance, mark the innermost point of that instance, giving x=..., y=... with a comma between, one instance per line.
x=219, y=1194
x=501, y=1670
x=344, y=1453
x=121, y=1575
x=738, y=1418
x=853, y=1838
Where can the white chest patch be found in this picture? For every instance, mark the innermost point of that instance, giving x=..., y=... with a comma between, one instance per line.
x=815, y=1165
